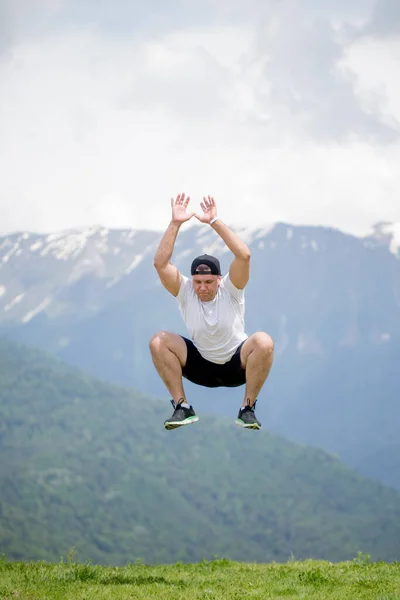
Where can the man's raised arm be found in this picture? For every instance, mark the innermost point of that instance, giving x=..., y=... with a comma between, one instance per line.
x=239, y=270
x=168, y=273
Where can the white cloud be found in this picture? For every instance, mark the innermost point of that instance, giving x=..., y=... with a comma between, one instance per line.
x=98, y=128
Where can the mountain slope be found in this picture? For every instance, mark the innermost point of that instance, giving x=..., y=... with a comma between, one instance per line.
x=89, y=465
x=331, y=302
x=346, y=402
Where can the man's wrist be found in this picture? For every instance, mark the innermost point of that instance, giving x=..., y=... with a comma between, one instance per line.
x=176, y=224
x=213, y=220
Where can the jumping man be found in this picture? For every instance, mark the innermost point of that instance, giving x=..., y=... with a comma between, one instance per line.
x=212, y=306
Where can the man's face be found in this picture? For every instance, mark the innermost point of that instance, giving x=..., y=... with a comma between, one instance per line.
x=206, y=286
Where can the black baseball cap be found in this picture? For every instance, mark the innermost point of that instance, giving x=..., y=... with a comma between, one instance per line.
x=209, y=261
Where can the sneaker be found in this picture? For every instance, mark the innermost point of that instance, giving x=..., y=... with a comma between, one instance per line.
x=181, y=416
x=247, y=418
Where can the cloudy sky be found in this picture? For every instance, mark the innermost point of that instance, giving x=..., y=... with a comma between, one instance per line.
x=284, y=110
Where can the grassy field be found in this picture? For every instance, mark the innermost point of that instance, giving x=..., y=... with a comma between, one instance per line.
x=219, y=579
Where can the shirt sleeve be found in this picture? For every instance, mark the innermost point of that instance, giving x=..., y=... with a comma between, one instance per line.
x=183, y=292
x=233, y=291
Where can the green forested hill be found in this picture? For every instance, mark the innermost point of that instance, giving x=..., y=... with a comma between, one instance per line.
x=86, y=464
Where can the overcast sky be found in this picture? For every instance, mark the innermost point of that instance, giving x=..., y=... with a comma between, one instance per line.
x=284, y=110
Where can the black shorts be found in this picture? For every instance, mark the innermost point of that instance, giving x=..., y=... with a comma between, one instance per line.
x=203, y=372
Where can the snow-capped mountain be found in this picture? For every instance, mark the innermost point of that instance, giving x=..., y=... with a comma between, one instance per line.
x=36, y=271
x=40, y=273
x=331, y=301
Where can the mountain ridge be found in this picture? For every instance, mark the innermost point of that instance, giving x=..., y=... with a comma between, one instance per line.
x=112, y=255
x=330, y=300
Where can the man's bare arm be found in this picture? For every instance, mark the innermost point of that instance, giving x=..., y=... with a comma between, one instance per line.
x=239, y=270
x=167, y=272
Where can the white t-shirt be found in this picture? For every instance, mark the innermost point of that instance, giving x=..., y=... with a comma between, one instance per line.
x=217, y=327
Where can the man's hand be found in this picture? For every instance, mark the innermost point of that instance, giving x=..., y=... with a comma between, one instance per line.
x=209, y=209
x=179, y=209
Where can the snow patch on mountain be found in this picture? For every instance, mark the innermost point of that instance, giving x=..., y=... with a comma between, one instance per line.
x=394, y=230
x=65, y=246
x=5, y=243
x=136, y=261
x=139, y=257
x=36, y=246
x=261, y=233
x=247, y=234
x=217, y=247
x=385, y=234
x=185, y=254
x=32, y=313
x=13, y=302
x=14, y=249
x=2, y=290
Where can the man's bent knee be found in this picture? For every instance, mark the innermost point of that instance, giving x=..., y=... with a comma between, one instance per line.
x=262, y=341
x=165, y=340
x=159, y=340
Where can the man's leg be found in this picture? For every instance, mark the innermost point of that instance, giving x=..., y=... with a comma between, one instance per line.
x=256, y=356
x=169, y=353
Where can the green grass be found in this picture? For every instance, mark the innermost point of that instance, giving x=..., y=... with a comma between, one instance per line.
x=208, y=580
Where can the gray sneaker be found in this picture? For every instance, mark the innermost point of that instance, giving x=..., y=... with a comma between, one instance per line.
x=180, y=416
x=247, y=418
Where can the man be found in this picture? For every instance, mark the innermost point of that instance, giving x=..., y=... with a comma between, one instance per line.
x=219, y=352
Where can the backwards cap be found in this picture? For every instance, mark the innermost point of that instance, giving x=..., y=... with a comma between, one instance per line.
x=211, y=262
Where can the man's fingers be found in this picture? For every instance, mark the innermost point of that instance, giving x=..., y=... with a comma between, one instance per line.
x=179, y=200
x=208, y=201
